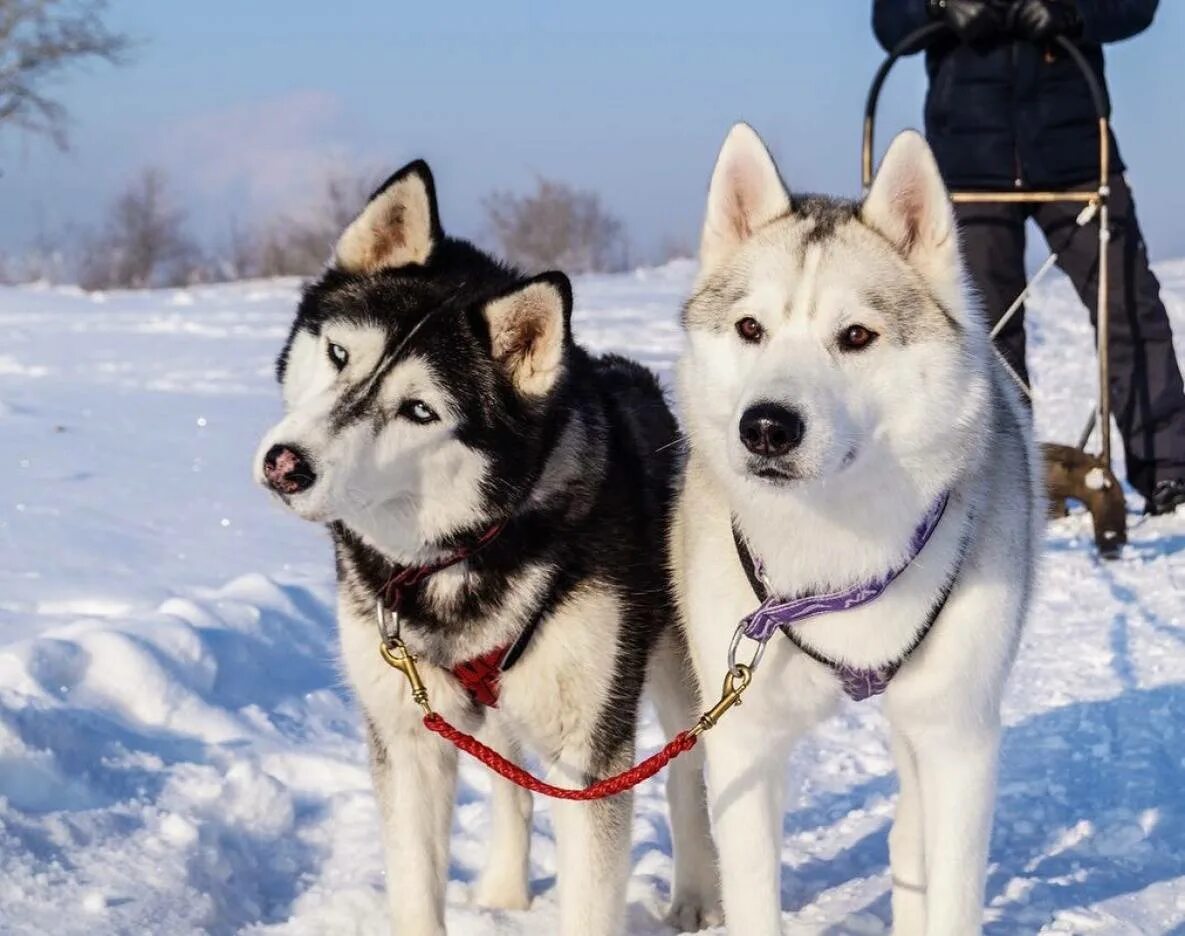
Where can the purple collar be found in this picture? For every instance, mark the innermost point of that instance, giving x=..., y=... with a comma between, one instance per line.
x=781, y=614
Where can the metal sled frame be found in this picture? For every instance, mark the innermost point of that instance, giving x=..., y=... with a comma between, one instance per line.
x=1095, y=205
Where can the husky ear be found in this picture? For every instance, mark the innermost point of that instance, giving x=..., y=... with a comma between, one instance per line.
x=909, y=205
x=399, y=225
x=746, y=193
x=528, y=332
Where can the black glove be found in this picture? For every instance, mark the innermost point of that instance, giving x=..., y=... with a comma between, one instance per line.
x=1042, y=20
x=971, y=20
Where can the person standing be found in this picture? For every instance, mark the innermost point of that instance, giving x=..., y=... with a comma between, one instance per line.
x=1006, y=109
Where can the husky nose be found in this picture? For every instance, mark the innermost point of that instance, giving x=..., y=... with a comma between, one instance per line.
x=770, y=430
x=287, y=470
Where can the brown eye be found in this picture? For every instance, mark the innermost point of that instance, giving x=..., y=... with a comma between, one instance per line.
x=855, y=337
x=750, y=329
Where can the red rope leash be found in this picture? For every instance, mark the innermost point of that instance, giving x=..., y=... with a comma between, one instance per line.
x=682, y=742
x=394, y=651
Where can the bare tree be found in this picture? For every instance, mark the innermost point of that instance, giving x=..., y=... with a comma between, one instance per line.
x=142, y=244
x=556, y=227
x=39, y=39
x=299, y=245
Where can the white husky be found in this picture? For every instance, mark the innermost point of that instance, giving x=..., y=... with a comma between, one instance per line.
x=852, y=438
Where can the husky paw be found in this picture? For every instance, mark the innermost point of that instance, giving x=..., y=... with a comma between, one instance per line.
x=499, y=892
x=692, y=914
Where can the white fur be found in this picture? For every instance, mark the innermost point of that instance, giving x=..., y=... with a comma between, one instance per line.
x=888, y=429
x=410, y=484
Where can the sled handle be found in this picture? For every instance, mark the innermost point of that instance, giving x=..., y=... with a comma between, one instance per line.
x=917, y=39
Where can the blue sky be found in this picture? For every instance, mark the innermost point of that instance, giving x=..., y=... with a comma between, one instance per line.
x=248, y=104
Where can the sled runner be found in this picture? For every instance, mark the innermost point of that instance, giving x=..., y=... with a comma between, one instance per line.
x=1071, y=471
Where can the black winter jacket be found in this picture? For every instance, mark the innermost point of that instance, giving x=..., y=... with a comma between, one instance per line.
x=1011, y=114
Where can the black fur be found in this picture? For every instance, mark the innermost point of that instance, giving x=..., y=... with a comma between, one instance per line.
x=827, y=213
x=606, y=527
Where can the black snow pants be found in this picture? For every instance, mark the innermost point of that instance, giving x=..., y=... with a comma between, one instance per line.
x=1146, y=391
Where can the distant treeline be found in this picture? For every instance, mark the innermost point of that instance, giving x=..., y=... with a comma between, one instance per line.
x=145, y=240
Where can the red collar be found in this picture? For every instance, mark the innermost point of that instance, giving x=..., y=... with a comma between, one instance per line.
x=404, y=578
x=479, y=677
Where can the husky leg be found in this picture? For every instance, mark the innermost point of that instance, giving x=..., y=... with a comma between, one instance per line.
x=504, y=883
x=907, y=855
x=415, y=784
x=695, y=894
x=746, y=792
x=957, y=767
x=593, y=848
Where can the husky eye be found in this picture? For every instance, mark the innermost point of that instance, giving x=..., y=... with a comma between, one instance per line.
x=856, y=337
x=418, y=412
x=750, y=330
x=338, y=355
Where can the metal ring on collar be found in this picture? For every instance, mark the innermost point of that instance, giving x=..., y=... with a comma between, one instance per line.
x=735, y=645
x=388, y=622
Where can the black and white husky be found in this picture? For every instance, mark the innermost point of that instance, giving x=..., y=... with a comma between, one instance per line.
x=505, y=496
x=861, y=494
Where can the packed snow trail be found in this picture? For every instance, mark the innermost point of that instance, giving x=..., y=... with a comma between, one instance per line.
x=178, y=753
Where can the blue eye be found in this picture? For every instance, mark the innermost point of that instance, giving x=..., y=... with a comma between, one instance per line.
x=338, y=355
x=418, y=412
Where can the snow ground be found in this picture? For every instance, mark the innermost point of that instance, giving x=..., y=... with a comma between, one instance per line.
x=177, y=753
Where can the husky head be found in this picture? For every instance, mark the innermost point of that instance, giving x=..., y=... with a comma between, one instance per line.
x=419, y=379
x=827, y=339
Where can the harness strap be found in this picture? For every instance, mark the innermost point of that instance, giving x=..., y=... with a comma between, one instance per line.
x=859, y=683
x=481, y=676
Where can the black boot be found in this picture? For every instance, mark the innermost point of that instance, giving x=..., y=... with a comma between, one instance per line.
x=1166, y=497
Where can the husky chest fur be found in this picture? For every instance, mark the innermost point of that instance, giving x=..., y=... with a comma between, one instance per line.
x=859, y=459
x=442, y=422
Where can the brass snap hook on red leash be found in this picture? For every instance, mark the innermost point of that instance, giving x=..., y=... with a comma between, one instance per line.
x=396, y=654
